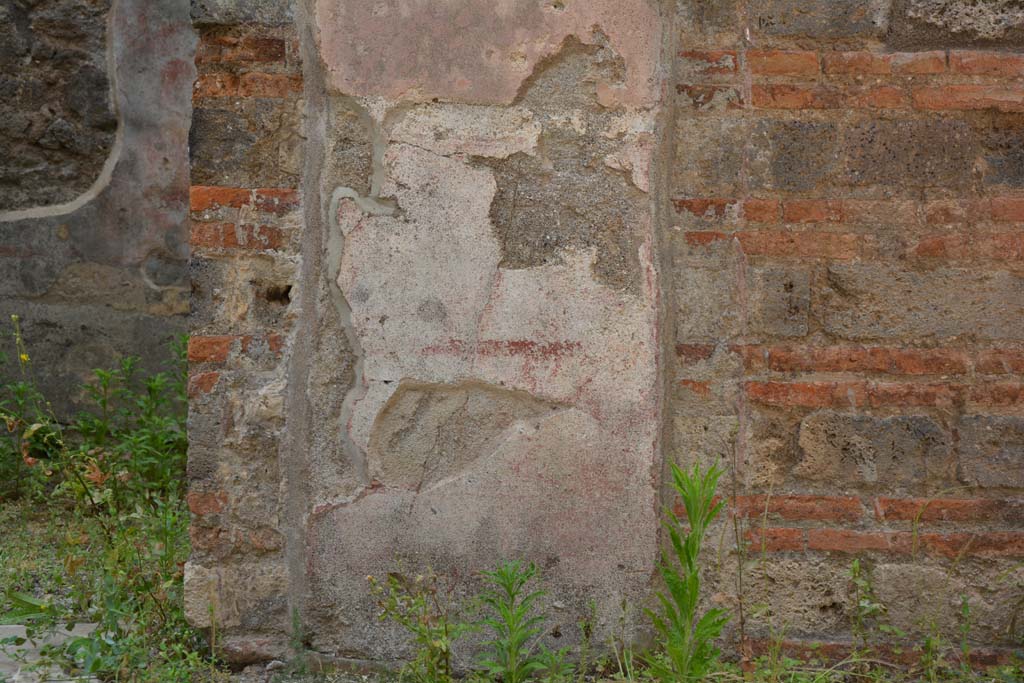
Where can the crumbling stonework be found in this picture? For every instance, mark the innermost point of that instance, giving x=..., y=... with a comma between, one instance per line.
x=467, y=276
x=59, y=123
x=94, y=183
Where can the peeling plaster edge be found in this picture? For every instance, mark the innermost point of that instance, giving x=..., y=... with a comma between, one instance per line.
x=113, y=157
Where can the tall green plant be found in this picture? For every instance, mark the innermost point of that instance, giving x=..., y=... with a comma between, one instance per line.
x=686, y=636
x=514, y=652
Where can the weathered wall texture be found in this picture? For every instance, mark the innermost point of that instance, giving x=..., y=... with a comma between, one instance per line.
x=94, y=182
x=467, y=275
x=847, y=299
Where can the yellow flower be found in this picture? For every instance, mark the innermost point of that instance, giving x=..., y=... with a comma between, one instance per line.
x=24, y=357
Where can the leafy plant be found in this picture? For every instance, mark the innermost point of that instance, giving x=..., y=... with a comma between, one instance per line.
x=869, y=615
x=113, y=479
x=687, y=638
x=515, y=652
x=423, y=607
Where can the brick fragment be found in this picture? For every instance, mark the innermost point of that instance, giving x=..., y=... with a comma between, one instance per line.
x=856, y=63
x=1000, y=362
x=201, y=503
x=918, y=63
x=859, y=393
x=204, y=198
x=269, y=85
x=268, y=200
x=857, y=359
x=805, y=394
x=694, y=353
x=775, y=540
x=907, y=394
x=231, y=236
x=787, y=96
x=877, y=97
x=1007, y=209
x=998, y=394
x=975, y=63
x=711, y=97
x=211, y=85
x=948, y=211
x=848, y=541
x=705, y=208
x=210, y=349
x=762, y=210
x=202, y=383
x=992, y=544
x=782, y=62
x=800, y=508
x=940, y=509
x=1005, y=97
x=276, y=200
x=222, y=49
x=991, y=246
x=812, y=211
x=705, y=63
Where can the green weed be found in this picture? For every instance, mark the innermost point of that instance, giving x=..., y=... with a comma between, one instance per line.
x=687, y=638
x=514, y=651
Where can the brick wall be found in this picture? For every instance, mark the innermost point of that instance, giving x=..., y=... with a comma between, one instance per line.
x=847, y=301
x=245, y=221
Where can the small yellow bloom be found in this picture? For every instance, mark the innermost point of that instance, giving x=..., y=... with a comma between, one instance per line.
x=24, y=357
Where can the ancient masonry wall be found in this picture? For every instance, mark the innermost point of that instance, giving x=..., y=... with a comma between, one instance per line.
x=94, y=124
x=467, y=276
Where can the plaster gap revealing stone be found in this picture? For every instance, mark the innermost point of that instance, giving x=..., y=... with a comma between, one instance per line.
x=575, y=192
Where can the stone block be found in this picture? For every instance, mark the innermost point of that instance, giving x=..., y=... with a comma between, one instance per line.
x=709, y=157
x=820, y=19
x=992, y=450
x=853, y=452
x=794, y=156
x=872, y=301
x=777, y=299
x=910, y=154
